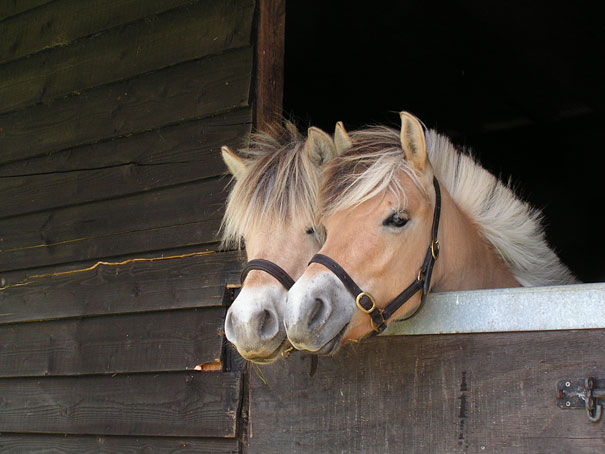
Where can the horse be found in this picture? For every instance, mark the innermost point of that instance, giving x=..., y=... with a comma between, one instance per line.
x=271, y=208
x=405, y=207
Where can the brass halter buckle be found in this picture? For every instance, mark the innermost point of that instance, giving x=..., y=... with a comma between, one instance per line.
x=370, y=310
x=363, y=309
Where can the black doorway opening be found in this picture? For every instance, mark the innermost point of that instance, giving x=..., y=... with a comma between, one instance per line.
x=520, y=83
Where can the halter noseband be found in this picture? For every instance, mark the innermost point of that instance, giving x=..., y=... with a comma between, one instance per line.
x=268, y=267
x=366, y=303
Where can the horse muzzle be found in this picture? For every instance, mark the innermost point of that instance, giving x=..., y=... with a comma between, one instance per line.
x=254, y=323
x=317, y=313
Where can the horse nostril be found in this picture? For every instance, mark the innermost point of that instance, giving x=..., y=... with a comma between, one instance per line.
x=318, y=314
x=267, y=324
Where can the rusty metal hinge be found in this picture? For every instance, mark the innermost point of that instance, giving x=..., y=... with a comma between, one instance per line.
x=585, y=393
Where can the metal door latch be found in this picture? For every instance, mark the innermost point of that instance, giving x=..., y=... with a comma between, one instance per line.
x=587, y=393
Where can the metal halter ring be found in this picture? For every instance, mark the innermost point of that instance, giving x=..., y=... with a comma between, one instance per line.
x=435, y=249
x=383, y=321
x=286, y=352
x=361, y=308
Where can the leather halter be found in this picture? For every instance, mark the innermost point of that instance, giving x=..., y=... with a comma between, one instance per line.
x=366, y=303
x=268, y=267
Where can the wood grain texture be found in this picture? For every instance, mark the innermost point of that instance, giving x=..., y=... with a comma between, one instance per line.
x=177, y=216
x=492, y=393
x=71, y=444
x=178, y=283
x=59, y=22
x=133, y=164
x=10, y=8
x=183, y=92
x=191, y=32
x=270, y=48
x=187, y=404
x=147, y=342
x=112, y=114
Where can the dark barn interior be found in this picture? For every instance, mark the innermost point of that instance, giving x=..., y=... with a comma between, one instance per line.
x=520, y=83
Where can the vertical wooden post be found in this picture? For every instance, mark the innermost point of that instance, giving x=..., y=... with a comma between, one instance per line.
x=270, y=43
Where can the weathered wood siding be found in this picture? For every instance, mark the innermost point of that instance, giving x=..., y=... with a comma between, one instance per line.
x=466, y=393
x=112, y=114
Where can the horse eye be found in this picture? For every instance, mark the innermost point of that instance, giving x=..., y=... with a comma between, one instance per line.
x=395, y=220
x=310, y=231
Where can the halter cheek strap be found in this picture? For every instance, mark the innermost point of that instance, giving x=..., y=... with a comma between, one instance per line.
x=268, y=267
x=366, y=303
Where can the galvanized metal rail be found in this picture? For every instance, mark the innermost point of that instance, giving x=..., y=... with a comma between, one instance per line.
x=502, y=310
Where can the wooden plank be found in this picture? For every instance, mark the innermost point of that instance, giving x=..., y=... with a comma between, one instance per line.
x=155, y=159
x=60, y=22
x=148, y=342
x=70, y=444
x=187, y=91
x=178, y=216
x=493, y=393
x=10, y=8
x=136, y=286
x=270, y=48
x=189, y=404
x=204, y=28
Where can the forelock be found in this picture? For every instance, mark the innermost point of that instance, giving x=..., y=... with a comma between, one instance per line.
x=280, y=182
x=370, y=167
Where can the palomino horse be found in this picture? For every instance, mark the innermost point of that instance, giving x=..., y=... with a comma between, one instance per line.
x=392, y=203
x=272, y=209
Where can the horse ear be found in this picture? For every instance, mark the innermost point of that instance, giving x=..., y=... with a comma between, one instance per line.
x=413, y=141
x=319, y=146
x=342, y=141
x=235, y=164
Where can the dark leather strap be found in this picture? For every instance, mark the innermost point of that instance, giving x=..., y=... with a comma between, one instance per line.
x=344, y=277
x=426, y=271
x=365, y=302
x=268, y=267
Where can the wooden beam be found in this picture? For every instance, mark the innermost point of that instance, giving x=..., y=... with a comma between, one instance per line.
x=137, y=163
x=59, y=22
x=270, y=48
x=173, y=217
x=74, y=444
x=190, y=90
x=138, y=286
x=10, y=8
x=204, y=28
x=147, y=342
x=161, y=341
x=185, y=404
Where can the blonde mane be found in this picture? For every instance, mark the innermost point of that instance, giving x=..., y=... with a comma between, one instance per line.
x=281, y=182
x=509, y=224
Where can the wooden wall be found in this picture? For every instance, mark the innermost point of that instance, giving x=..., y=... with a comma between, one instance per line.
x=112, y=114
x=452, y=394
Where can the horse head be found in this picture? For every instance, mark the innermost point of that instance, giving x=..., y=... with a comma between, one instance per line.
x=377, y=205
x=272, y=210
x=405, y=212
